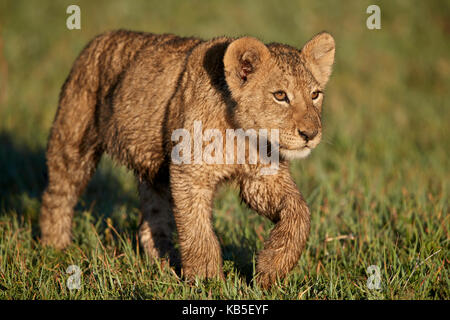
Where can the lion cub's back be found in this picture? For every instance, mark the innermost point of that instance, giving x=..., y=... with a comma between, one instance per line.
x=140, y=74
x=114, y=53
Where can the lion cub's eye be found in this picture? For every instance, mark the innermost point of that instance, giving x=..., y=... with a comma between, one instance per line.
x=315, y=95
x=281, y=96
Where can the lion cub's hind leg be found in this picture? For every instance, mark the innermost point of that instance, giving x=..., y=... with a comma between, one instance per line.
x=71, y=165
x=157, y=222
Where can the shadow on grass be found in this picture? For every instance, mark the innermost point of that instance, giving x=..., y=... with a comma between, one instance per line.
x=23, y=173
x=241, y=256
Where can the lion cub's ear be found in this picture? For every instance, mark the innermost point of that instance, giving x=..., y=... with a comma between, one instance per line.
x=243, y=58
x=319, y=56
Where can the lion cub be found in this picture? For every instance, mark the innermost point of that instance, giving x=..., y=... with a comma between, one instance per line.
x=128, y=92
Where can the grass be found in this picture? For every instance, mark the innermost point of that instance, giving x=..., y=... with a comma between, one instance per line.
x=377, y=186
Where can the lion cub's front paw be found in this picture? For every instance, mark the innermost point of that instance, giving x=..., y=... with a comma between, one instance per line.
x=59, y=242
x=268, y=268
x=265, y=279
x=206, y=271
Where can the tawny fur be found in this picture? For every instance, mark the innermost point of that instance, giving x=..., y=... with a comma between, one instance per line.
x=128, y=91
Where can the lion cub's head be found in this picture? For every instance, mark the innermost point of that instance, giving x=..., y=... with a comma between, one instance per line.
x=276, y=86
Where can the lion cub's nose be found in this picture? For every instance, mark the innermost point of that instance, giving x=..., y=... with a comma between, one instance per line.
x=307, y=134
